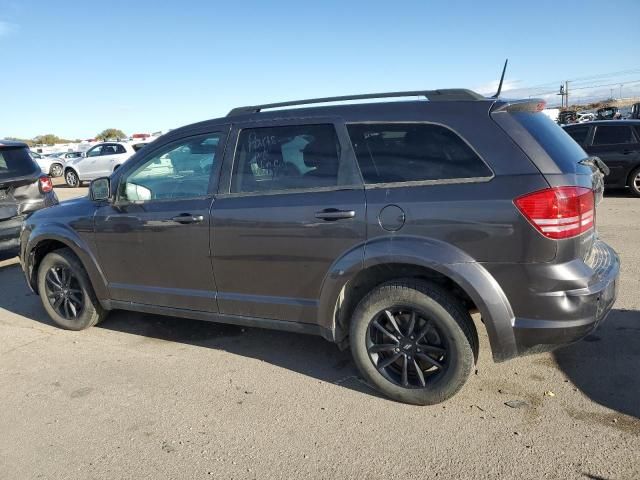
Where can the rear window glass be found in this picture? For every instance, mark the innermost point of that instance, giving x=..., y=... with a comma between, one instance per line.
x=15, y=162
x=397, y=152
x=579, y=134
x=553, y=139
x=612, y=135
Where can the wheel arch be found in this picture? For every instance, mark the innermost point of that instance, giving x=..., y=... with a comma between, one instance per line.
x=418, y=258
x=39, y=244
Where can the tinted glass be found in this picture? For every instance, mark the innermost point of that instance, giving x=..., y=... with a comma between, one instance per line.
x=16, y=162
x=109, y=149
x=579, y=134
x=612, y=134
x=181, y=170
x=412, y=152
x=120, y=149
x=283, y=158
x=556, y=142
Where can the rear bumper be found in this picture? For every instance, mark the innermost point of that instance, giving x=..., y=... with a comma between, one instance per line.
x=577, y=312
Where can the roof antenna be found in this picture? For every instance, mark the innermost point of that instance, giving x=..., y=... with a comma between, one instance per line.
x=504, y=69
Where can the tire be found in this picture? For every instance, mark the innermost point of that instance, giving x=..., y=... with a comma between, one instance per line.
x=56, y=170
x=62, y=267
x=443, y=347
x=634, y=182
x=71, y=178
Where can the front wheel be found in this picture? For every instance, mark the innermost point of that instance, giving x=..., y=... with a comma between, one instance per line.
x=413, y=342
x=66, y=292
x=56, y=170
x=72, y=179
x=634, y=182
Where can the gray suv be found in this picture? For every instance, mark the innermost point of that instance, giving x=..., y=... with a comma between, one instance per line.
x=24, y=188
x=379, y=226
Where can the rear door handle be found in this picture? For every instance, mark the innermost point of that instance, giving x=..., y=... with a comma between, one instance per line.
x=186, y=218
x=331, y=214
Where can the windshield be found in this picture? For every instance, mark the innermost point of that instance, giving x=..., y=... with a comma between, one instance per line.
x=15, y=162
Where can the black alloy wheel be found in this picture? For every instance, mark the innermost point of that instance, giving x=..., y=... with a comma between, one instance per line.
x=406, y=347
x=64, y=293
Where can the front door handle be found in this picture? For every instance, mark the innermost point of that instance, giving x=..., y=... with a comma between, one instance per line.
x=186, y=218
x=331, y=214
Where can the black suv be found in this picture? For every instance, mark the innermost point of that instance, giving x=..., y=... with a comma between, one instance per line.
x=617, y=143
x=23, y=189
x=380, y=226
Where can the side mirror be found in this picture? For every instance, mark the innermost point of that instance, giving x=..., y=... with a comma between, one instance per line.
x=100, y=189
x=83, y=154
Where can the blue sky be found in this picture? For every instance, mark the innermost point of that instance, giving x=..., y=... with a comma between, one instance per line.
x=74, y=68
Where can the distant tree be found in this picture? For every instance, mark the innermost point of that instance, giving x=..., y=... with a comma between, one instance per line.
x=49, y=138
x=28, y=141
x=110, y=134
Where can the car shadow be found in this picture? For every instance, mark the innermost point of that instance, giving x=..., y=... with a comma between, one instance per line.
x=618, y=193
x=604, y=365
x=306, y=354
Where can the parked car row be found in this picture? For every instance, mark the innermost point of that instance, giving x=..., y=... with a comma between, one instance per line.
x=379, y=226
x=617, y=144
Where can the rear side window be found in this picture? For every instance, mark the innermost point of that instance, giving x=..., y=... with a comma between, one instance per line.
x=284, y=158
x=612, y=135
x=397, y=152
x=579, y=134
x=15, y=162
x=553, y=139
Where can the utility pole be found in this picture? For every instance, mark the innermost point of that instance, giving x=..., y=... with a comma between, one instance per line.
x=561, y=96
x=621, y=91
x=566, y=92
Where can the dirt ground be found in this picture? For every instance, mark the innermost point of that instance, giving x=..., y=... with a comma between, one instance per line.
x=143, y=396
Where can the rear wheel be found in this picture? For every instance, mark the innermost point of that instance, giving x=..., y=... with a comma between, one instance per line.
x=413, y=342
x=56, y=170
x=634, y=182
x=66, y=292
x=71, y=178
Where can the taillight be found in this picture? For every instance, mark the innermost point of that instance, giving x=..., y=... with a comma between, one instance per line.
x=560, y=212
x=45, y=184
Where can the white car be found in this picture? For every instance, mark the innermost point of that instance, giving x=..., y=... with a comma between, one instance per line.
x=52, y=166
x=99, y=161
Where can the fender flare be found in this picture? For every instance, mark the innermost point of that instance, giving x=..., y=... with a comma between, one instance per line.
x=60, y=232
x=435, y=255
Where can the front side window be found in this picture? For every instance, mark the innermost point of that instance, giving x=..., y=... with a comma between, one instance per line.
x=179, y=170
x=397, y=152
x=612, y=135
x=579, y=134
x=285, y=158
x=95, y=151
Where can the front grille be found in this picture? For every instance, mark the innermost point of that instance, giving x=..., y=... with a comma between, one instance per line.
x=600, y=259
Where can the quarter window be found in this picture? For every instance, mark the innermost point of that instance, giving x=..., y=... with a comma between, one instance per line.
x=179, y=170
x=611, y=135
x=390, y=153
x=285, y=158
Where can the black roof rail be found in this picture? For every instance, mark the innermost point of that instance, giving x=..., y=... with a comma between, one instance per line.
x=447, y=94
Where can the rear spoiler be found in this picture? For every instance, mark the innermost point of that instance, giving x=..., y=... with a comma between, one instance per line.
x=532, y=105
